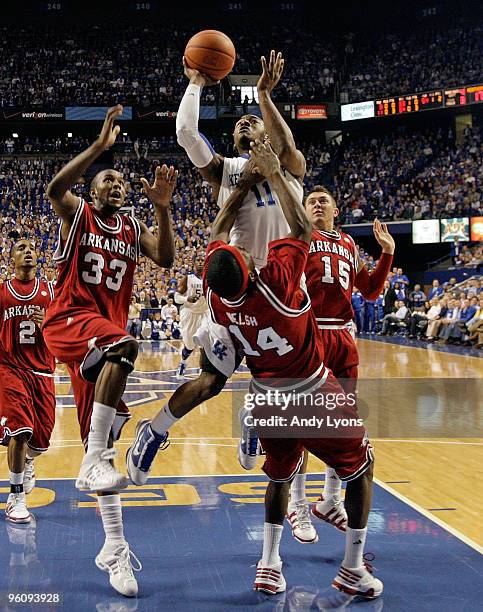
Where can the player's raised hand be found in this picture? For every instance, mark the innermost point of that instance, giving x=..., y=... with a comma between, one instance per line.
x=271, y=73
x=383, y=237
x=250, y=175
x=38, y=316
x=196, y=77
x=264, y=158
x=161, y=190
x=109, y=131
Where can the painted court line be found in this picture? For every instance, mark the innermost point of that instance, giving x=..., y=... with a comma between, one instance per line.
x=454, y=532
x=428, y=515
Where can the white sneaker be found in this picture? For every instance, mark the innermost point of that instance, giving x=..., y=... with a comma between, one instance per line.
x=358, y=581
x=331, y=511
x=29, y=476
x=16, y=509
x=298, y=516
x=118, y=563
x=269, y=579
x=97, y=474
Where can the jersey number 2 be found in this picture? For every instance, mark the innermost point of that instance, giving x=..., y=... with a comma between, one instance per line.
x=27, y=332
x=94, y=277
x=344, y=269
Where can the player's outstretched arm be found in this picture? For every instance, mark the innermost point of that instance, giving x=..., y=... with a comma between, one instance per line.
x=371, y=284
x=268, y=164
x=279, y=133
x=63, y=201
x=220, y=230
x=199, y=150
x=160, y=248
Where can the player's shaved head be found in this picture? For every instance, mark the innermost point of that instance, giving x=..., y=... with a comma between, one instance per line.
x=247, y=129
x=224, y=275
x=100, y=175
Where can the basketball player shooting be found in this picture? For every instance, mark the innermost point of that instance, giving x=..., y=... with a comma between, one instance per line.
x=260, y=220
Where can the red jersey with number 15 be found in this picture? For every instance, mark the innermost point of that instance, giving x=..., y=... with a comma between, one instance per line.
x=273, y=322
x=332, y=266
x=96, y=265
x=21, y=342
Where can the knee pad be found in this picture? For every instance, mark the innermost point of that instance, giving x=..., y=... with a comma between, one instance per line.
x=93, y=363
x=125, y=362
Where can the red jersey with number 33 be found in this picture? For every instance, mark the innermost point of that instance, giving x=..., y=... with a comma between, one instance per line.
x=330, y=274
x=273, y=322
x=21, y=342
x=96, y=265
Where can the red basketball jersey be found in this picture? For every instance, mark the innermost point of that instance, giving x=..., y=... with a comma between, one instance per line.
x=330, y=272
x=21, y=342
x=273, y=323
x=96, y=265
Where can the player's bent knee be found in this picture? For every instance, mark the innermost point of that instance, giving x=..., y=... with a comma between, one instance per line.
x=211, y=384
x=124, y=354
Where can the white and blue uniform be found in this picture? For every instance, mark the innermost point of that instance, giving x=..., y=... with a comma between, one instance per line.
x=192, y=315
x=259, y=221
x=260, y=218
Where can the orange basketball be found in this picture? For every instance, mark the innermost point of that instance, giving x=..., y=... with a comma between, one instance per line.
x=211, y=52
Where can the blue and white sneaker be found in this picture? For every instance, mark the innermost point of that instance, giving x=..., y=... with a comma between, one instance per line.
x=181, y=370
x=141, y=454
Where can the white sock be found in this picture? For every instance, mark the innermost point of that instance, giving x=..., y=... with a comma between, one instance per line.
x=271, y=543
x=354, y=547
x=101, y=422
x=16, y=478
x=111, y=513
x=332, y=485
x=297, y=488
x=163, y=421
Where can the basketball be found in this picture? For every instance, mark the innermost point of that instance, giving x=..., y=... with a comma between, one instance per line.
x=211, y=52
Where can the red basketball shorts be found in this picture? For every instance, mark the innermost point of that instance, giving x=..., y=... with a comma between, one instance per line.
x=27, y=405
x=70, y=338
x=341, y=356
x=347, y=449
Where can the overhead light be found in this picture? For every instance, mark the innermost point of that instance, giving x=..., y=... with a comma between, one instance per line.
x=15, y=135
x=124, y=133
x=69, y=134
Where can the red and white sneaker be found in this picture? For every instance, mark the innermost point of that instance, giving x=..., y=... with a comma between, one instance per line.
x=16, y=510
x=269, y=579
x=358, y=581
x=298, y=515
x=331, y=511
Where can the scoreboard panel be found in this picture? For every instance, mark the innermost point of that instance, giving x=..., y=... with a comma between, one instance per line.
x=411, y=103
x=460, y=96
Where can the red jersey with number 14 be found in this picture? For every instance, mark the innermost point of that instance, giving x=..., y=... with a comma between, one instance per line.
x=21, y=342
x=273, y=322
x=96, y=265
x=330, y=273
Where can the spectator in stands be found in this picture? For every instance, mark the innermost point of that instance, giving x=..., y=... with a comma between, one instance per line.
x=398, y=317
x=389, y=298
x=400, y=291
x=417, y=297
x=451, y=316
x=434, y=324
x=436, y=290
x=168, y=313
x=157, y=327
x=134, y=318
x=401, y=278
x=455, y=251
x=475, y=325
x=357, y=304
x=420, y=319
x=457, y=330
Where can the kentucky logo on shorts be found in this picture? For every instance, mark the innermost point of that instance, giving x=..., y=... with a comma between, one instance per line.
x=219, y=350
